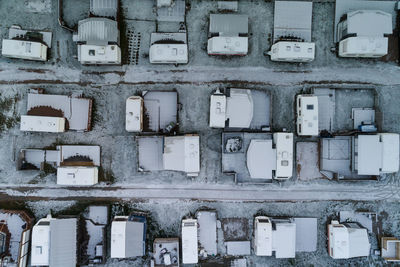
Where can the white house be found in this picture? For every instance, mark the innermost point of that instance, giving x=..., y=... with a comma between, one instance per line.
x=128, y=237
x=228, y=34
x=347, y=241
x=24, y=49
x=267, y=159
x=307, y=115
x=54, y=242
x=169, y=48
x=30, y=123
x=189, y=241
x=292, y=32
x=77, y=175
x=363, y=33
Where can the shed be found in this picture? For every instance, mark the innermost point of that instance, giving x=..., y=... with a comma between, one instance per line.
x=24, y=49
x=127, y=237
x=182, y=153
x=189, y=241
x=77, y=176
x=346, y=242
x=104, y=8
x=307, y=115
x=98, y=31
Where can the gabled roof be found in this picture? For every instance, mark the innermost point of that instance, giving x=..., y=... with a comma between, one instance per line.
x=98, y=31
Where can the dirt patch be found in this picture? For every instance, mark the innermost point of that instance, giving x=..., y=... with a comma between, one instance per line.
x=235, y=229
x=45, y=111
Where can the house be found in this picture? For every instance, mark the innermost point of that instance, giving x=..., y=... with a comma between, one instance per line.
x=240, y=108
x=292, y=32
x=54, y=242
x=228, y=34
x=152, y=111
x=98, y=41
x=189, y=241
x=169, y=48
x=257, y=157
x=175, y=153
x=166, y=252
x=128, y=236
x=362, y=27
x=26, y=44
x=56, y=113
x=347, y=240
x=15, y=236
x=284, y=236
x=307, y=115
x=76, y=165
x=360, y=156
x=390, y=249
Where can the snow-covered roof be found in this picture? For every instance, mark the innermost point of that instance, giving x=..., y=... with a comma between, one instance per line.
x=390, y=249
x=307, y=115
x=169, y=53
x=189, y=241
x=262, y=236
x=127, y=238
x=79, y=176
x=207, y=232
x=284, y=240
x=134, y=114
x=98, y=31
x=306, y=234
x=104, y=8
x=345, y=243
x=63, y=242
x=229, y=24
x=24, y=49
x=284, y=155
x=261, y=159
x=68, y=151
x=217, y=110
x=363, y=47
x=369, y=23
x=377, y=153
x=76, y=110
x=99, y=54
x=292, y=51
x=238, y=248
x=292, y=18
x=239, y=108
x=227, y=45
x=182, y=153
x=42, y=124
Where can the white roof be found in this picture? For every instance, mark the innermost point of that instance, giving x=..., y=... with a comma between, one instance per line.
x=24, y=49
x=217, y=111
x=263, y=236
x=348, y=243
x=238, y=248
x=126, y=238
x=284, y=240
x=40, y=251
x=240, y=108
x=134, y=114
x=182, y=153
x=369, y=155
x=390, y=152
x=363, y=47
x=227, y=45
x=169, y=53
x=79, y=176
x=307, y=114
x=42, y=124
x=292, y=51
x=369, y=23
x=99, y=54
x=284, y=155
x=261, y=159
x=189, y=241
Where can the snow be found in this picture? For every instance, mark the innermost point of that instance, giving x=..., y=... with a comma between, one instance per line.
x=15, y=226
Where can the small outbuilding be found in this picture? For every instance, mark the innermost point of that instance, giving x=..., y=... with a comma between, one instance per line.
x=390, y=249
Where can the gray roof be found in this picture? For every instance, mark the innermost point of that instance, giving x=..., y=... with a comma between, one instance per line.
x=229, y=24
x=98, y=31
x=134, y=239
x=63, y=242
x=104, y=8
x=292, y=18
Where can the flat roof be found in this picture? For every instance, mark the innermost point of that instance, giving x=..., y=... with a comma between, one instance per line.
x=134, y=114
x=369, y=23
x=261, y=159
x=63, y=242
x=217, y=110
x=229, y=24
x=79, y=176
x=240, y=108
x=127, y=239
x=189, y=241
x=284, y=240
x=369, y=158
